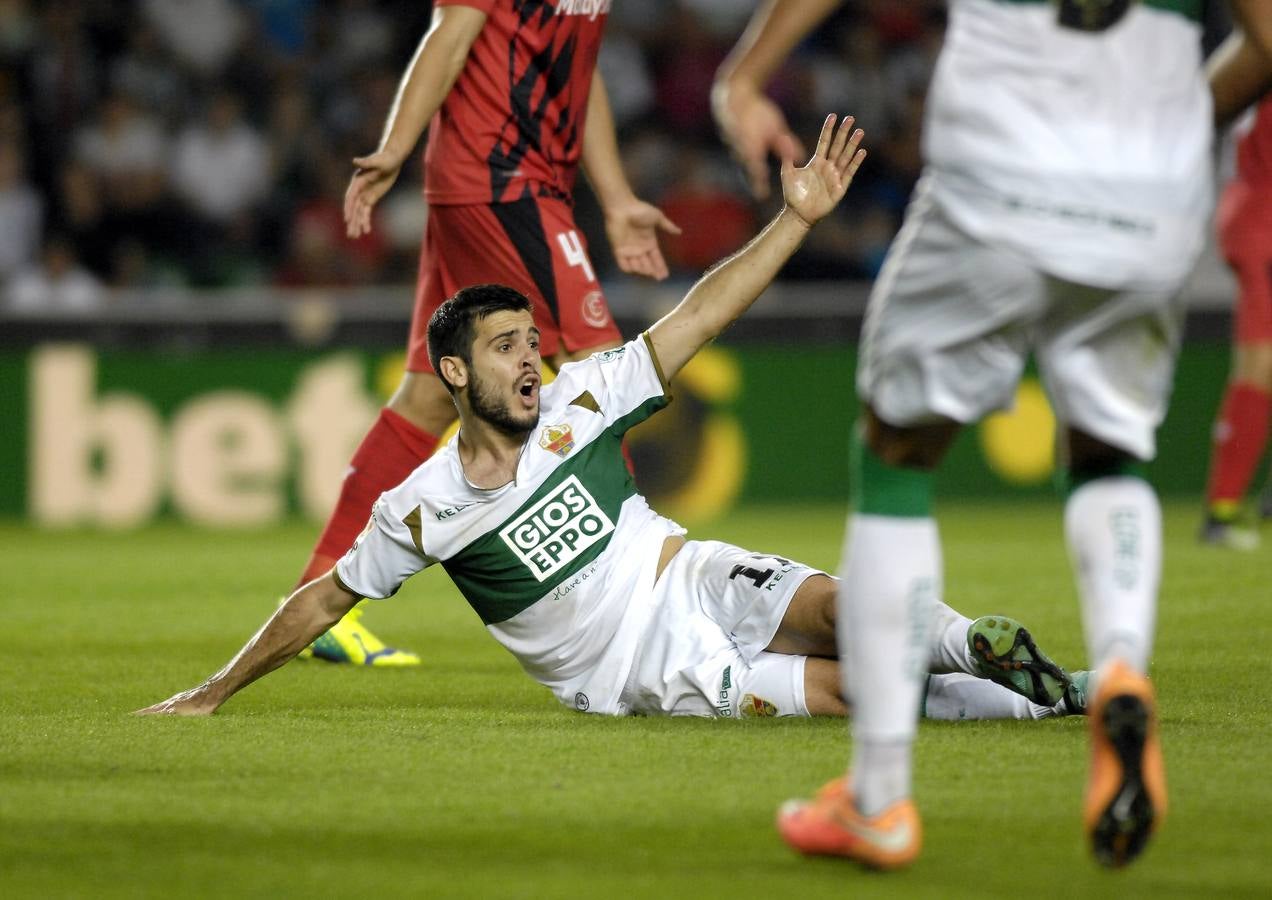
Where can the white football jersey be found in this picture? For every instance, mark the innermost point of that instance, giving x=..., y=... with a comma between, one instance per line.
x=560, y=562
x=1087, y=151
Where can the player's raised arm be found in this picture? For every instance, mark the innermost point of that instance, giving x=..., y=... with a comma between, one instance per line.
x=631, y=224
x=307, y=613
x=750, y=123
x=429, y=76
x=729, y=289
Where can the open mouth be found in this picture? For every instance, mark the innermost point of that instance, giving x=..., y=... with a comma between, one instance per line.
x=529, y=389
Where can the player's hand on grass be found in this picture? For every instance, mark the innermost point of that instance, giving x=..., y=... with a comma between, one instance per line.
x=373, y=176
x=632, y=229
x=193, y=702
x=813, y=190
x=752, y=126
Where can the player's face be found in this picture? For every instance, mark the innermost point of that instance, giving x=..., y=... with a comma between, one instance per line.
x=503, y=384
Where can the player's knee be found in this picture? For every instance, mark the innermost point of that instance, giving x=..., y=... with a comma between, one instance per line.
x=1088, y=455
x=911, y=446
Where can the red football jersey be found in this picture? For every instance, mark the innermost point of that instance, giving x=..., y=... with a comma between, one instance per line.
x=1254, y=148
x=512, y=124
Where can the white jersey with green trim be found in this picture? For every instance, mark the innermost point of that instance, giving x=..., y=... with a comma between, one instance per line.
x=560, y=562
x=1077, y=134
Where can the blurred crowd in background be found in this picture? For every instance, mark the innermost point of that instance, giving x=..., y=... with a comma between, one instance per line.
x=207, y=143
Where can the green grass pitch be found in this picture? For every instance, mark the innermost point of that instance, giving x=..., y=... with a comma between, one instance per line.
x=463, y=778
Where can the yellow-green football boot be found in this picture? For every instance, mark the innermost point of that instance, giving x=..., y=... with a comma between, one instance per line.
x=349, y=641
x=1005, y=652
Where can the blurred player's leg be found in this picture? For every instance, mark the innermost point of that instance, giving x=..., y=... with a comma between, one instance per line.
x=890, y=583
x=1108, y=361
x=832, y=825
x=1241, y=427
x=891, y=579
x=1113, y=526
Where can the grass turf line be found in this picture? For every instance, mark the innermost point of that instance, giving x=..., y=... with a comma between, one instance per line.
x=464, y=778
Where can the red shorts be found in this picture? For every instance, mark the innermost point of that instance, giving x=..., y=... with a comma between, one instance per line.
x=531, y=245
x=1245, y=236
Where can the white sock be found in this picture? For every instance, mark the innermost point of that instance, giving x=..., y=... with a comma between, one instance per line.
x=956, y=697
x=1114, y=530
x=891, y=575
x=949, y=651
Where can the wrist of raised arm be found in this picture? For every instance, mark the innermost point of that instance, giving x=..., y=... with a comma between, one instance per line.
x=789, y=218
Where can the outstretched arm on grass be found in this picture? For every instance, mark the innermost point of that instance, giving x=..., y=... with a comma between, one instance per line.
x=307, y=613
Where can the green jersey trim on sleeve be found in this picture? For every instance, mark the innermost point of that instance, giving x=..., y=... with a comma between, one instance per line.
x=638, y=415
x=653, y=356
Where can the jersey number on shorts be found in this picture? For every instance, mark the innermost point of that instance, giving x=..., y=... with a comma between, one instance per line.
x=759, y=576
x=575, y=255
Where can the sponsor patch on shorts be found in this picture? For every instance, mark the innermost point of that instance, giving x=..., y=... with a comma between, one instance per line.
x=754, y=707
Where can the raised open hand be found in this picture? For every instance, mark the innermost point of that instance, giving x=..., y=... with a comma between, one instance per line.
x=813, y=190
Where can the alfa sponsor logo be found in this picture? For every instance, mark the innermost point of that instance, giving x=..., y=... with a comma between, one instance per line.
x=557, y=438
x=556, y=530
x=726, y=684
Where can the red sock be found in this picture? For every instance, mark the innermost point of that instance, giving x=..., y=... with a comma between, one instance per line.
x=1241, y=433
x=390, y=451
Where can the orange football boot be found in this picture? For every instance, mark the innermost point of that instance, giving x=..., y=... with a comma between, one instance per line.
x=830, y=825
x=1126, y=785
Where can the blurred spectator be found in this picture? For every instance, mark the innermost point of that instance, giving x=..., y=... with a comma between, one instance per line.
x=221, y=166
x=627, y=78
x=319, y=251
x=93, y=91
x=851, y=79
x=684, y=81
x=127, y=151
x=134, y=267
x=18, y=30
x=63, y=72
x=21, y=213
x=201, y=34
x=56, y=284
x=82, y=216
x=284, y=24
x=145, y=72
x=714, y=221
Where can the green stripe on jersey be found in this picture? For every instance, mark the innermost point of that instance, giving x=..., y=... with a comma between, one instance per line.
x=1189, y=9
x=565, y=525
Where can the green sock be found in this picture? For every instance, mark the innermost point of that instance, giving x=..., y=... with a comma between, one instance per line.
x=880, y=489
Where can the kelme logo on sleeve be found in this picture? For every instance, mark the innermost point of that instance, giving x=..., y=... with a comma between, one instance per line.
x=553, y=532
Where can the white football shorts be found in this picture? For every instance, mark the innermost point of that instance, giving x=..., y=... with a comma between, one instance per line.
x=715, y=608
x=952, y=320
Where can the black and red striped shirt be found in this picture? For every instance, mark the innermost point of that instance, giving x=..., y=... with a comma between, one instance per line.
x=512, y=125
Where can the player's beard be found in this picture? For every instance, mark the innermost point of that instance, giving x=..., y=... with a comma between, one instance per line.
x=487, y=405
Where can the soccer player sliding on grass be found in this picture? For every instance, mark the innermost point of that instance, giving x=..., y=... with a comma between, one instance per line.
x=534, y=515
